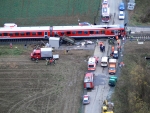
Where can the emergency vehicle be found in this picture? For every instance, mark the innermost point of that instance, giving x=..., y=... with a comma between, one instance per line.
x=42, y=53
x=105, y=11
x=92, y=63
x=88, y=81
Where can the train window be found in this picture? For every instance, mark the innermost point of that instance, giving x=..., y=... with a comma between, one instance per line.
x=68, y=32
x=62, y=33
x=17, y=34
x=5, y=34
x=27, y=33
x=122, y=31
x=0, y=34
x=73, y=32
x=10, y=34
x=112, y=31
x=22, y=34
x=39, y=33
x=103, y=32
x=97, y=32
x=91, y=32
x=33, y=33
x=85, y=32
x=79, y=32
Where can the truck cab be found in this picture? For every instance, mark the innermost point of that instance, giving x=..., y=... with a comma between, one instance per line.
x=104, y=61
x=36, y=54
x=42, y=53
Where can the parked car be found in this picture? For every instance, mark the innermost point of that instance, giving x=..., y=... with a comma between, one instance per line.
x=116, y=54
x=86, y=99
x=121, y=6
x=84, y=24
x=121, y=15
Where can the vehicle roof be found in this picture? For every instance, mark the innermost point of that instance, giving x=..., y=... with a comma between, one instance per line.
x=104, y=59
x=46, y=49
x=105, y=11
x=115, y=51
x=121, y=12
x=112, y=60
x=88, y=77
x=112, y=66
x=47, y=28
x=37, y=51
x=91, y=60
x=32, y=28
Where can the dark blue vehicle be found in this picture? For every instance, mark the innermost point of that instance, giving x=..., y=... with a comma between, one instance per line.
x=116, y=55
x=121, y=6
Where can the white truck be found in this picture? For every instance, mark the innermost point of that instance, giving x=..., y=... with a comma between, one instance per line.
x=104, y=61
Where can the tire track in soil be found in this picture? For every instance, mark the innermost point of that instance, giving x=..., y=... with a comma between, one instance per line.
x=31, y=99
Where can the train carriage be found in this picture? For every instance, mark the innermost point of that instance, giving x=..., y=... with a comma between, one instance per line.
x=76, y=32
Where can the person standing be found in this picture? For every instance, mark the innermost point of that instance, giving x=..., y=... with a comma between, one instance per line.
x=11, y=45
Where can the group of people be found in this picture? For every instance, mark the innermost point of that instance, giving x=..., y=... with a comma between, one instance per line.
x=50, y=61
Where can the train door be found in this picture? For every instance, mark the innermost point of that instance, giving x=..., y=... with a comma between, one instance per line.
x=46, y=35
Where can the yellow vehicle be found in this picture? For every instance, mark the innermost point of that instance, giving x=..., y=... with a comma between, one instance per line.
x=108, y=107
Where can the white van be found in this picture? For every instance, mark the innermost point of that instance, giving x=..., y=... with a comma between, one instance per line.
x=104, y=61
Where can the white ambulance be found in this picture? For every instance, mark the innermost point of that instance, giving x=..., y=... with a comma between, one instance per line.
x=104, y=61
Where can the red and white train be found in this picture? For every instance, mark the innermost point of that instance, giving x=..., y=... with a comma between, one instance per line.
x=11, y=31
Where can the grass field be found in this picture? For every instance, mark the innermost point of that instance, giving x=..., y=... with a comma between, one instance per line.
x=47, y=12
x=133, y=87
x=140, y=15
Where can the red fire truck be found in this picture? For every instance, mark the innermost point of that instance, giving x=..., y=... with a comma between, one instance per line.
x=88, y=81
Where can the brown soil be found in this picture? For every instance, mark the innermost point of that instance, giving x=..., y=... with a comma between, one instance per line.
x=29, y=87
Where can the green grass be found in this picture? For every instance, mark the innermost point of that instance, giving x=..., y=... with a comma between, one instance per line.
x=16, y=50
x=47, y=12
x=140, y=15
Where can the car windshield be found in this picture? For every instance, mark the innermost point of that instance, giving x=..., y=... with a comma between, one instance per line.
x=91, y=65
x=85, y=101
x=121, y=14
x=111, y=68
x=121, y=5
x=104, y=62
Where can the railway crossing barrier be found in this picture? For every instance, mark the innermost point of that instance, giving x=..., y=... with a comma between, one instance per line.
x=139, y=37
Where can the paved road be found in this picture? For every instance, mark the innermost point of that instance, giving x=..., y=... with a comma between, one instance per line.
x=114, y=10
x=102, y=89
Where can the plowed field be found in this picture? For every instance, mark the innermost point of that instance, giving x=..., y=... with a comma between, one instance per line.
x=29, y=87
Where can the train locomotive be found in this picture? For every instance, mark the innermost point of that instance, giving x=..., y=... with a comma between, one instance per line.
x=12, y=31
